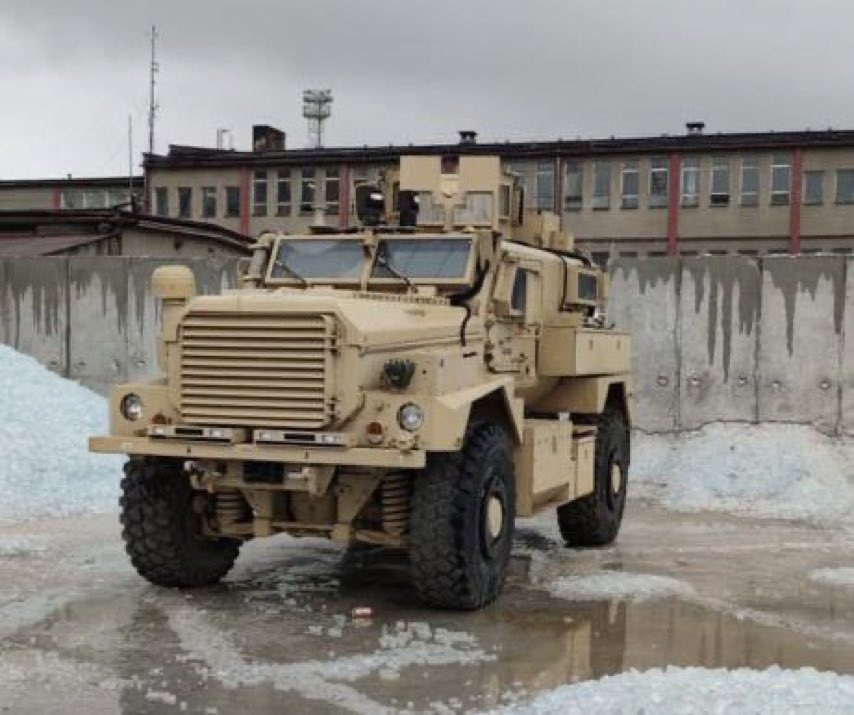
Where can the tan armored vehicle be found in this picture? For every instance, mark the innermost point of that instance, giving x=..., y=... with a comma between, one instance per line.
x=417, y=383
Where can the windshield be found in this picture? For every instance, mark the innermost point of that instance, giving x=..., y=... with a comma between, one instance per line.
x=428, y=258
x=313, y=258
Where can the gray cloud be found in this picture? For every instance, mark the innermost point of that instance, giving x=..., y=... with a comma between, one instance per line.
x=410, y=72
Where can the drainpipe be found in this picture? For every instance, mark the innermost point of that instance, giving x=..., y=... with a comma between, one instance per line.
x=795, y=204
x=674, y=191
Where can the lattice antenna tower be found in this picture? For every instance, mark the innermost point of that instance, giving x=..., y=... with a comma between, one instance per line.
x=153, y=107
x=316, y=108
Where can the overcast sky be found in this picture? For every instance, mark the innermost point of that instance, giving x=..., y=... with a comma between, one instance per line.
x=72, y=71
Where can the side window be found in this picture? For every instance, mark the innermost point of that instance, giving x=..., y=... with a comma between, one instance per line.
x=519, y=297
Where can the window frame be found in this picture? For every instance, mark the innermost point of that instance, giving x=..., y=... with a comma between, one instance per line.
x=283, y=180
x=630, y=168
x=659, y=165
x=573, y=202
x=331, y=177
x=544, y=177
x=805, y=197
x=720, y=199
x=161, y=201
x=209, y=201
x=260, y=180
x=689, y=164
x=840, y=201
x=185, y=211
x=780, y=197
x=749, y=198
x=602, y=169
x=307, y=180
x=230, y=192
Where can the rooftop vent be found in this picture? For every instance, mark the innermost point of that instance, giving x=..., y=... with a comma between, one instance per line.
x=695, y=128
x=468, y=136
x=267, y=138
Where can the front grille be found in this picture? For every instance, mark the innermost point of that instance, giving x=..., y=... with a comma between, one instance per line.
x=263, y=370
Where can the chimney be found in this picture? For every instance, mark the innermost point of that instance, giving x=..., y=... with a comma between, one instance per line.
x=267, y=138
x=468, y=136
x=695, y=128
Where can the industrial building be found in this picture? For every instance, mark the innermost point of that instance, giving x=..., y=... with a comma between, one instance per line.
x=101, y=192
x=688, y=194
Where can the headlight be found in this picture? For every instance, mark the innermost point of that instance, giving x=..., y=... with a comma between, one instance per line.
x=131, y=407
x=410, y=417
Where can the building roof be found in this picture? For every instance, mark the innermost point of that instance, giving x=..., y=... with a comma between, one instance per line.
x=43, y=232
x=29, y=246
x=181, y=156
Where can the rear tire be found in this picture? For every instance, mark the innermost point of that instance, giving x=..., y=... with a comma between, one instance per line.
x=161, y=531
x=461, y=528
x=595, y=520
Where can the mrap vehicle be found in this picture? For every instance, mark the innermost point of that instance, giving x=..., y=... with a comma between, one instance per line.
x=416, y=383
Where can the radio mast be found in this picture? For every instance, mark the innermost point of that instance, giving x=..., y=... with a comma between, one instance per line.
x=316, y=108
x=152, y=102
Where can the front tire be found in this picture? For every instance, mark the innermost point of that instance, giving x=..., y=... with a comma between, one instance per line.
x=461, y=528
x=595, y=520
x=162, y=533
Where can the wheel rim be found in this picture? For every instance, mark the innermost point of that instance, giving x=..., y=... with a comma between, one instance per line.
x=616, y=478
x=493, y=516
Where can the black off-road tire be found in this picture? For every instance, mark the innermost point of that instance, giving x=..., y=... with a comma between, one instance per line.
x=595, y=520
x=162, y=533
x=458, y=555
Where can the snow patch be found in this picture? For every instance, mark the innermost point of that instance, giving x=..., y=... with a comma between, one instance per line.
x=834, y=577
x=699, y=690
x=618, y=585
x=45, y=421
x=776, y=471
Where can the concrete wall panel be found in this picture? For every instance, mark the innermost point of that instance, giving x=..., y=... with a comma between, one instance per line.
x=644, y=301
x=98, y=321
x=846, y=392
x=719, y=304
x=800, y=342
x=35, y=309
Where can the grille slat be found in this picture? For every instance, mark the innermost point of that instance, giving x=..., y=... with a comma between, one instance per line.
x=256, y=370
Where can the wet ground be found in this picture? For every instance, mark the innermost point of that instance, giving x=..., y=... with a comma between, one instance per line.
x=82, y=633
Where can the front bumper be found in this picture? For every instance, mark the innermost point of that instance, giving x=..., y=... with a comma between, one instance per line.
x=287, y=454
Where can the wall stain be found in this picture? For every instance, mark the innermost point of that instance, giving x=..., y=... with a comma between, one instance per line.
x=650, y=271
x=112, y=278
x=42, y=280
x=795, y=275
x=724, y=274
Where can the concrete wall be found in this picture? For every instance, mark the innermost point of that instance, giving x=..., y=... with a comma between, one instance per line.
x=91, y=318
x=717, y=338
x=739, y=339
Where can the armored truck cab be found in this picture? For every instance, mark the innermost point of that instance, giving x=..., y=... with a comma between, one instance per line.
x=415, y=384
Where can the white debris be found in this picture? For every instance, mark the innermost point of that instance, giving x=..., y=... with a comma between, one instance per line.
x=834, y=577
x=698, y=690
x=767, y=470
x=158, y=696
x=618, y=585
x=20, y=546
x=45, y=422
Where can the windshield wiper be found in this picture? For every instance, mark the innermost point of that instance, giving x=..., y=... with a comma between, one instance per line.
x=382, y=261
x=279, y=263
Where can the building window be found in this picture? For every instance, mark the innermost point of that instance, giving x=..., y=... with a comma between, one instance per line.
x=813, y=187
x=601, y=185
x=573, y=186
x=307, y=191
x=232, y=201
x=690, y=181
x=161, y=201
x=658, y=180
x=845, y=186
x=601, y=258
x=719, y=195
x=781, y=180
x=208, y=202
x=545, y=198
x=749, y=181
x=331, y=188
x=185, y=201
x=630, y=183
x=283, y=192
x=259, y=193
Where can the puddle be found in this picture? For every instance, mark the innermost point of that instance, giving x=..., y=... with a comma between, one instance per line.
x=280, y=636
